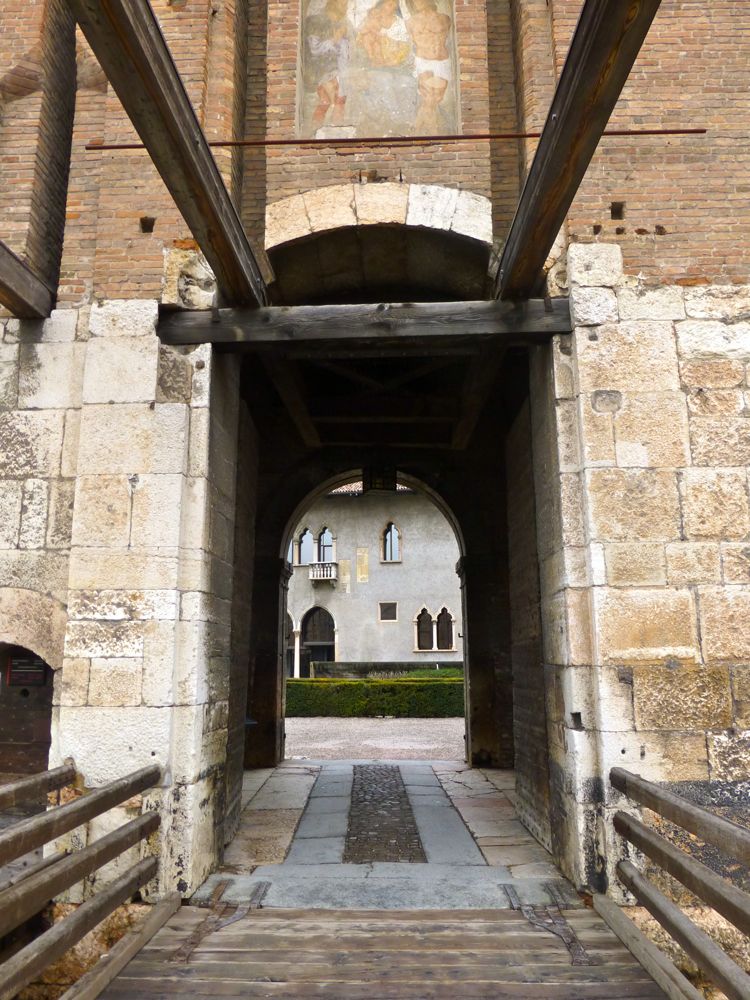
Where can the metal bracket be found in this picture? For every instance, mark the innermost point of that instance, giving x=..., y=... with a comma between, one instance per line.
x=551, y=919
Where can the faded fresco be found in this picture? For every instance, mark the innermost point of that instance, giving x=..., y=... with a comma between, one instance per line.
x=377, y=68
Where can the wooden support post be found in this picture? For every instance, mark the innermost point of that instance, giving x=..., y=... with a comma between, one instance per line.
x=605, y=45
x=126, y=39
x=28, y=835
x=21, y=291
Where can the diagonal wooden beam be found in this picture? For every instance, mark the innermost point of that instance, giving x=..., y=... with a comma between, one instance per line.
x=288, y=383
x=479, y=382
x=605, y=45
x=126, y=39
x=21, y=291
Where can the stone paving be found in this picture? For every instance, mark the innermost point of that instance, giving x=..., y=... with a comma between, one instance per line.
x=437, y=835
x=381, y=822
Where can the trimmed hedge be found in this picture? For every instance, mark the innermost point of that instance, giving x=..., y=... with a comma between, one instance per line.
x=404, y=699
x=386, y=669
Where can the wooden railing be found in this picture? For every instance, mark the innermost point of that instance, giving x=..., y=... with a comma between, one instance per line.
x=26, y=893
x=732, y=903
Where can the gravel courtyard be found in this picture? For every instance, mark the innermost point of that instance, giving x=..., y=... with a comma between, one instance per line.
x=374, y=739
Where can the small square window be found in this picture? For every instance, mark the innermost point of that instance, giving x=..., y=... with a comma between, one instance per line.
x=388, y=611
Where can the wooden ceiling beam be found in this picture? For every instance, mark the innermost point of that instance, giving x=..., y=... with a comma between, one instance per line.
x=342, y=326
x=481, y=377
x=288, y=384
x=606, y=42
x=22, y=292
x=127, y=40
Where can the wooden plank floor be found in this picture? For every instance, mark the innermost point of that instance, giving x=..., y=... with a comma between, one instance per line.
x=380, y=955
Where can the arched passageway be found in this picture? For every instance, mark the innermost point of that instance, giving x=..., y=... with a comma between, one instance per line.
x=318, y=639
x=26, y=685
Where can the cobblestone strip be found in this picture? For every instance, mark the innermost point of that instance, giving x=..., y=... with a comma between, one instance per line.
x=381, y=821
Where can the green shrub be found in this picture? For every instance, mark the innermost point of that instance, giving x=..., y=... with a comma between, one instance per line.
x=405, y=699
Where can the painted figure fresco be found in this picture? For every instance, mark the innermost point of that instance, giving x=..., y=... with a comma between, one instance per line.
x=377, y=68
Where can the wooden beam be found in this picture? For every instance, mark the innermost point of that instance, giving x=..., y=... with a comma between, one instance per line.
x=126, y=39
x=21, y=291
x=286, y=380
x=35, y=785
x=446, y=323
x=606, y=42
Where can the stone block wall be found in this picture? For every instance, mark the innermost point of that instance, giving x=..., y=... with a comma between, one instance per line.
x=641, y=428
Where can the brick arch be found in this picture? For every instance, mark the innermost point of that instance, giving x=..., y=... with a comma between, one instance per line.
x=35, y=621
x=340, y=206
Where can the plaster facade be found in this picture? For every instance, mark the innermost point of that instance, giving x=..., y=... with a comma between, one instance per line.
x=424, y=576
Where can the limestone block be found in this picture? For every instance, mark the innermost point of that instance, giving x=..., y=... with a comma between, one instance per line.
x=121, y=370
x=196, y=283
x=597, y=564
x=651, y=303
x=711, y=339
x=133, y=438
x=593, y=306
x=60, y=327
x=657, y=756
x=69, y=457
x=122, y=605
x=33, y=618
x=565, y=568
x=34, y=514
x=635, y=356
x=713, y=374
x=651, y=430
x=156, y=511
x=636, y=564
x=725, y=623
x=715, y=503
x=60, y=520
x=74, y=689
x=682, y=697
x=191, y=662
x=725, y=302
x=101, y=514
x=174, y=380
x=473, y=216
x=380, y=203
x=11, y=497
x=563, y=376
x=124, y=318
x=115, y=681
x=202, y=360
x=108, y=743
x=571, y=510
x=716, y=402
x=30, y=443
x=330, y=207
x=597, y=434
x=728, y=754
x=431, y=205
x=692, y=562
x=159, y=655
x=104, y=639
x=566, y=417
x=90, y=568
x=555, y=629
x=50, y=376
x=35, y=569
x=194, y=523
x=8, y=384
x=735, y=563
x=578, y=607
x=286, y=220
x=633, y=505
x=724, y=442
x=741, y=696
x=592, y=264
x=636, y=626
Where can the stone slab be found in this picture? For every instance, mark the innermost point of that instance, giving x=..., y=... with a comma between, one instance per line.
x=327, y=805
x=444, y=835
x=316, y=851
x=322, y=825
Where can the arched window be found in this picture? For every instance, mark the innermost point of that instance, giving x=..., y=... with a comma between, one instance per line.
x=391, y=544
x=445, y=630
x=325, y=546
x=424, y=629
x=306, y=547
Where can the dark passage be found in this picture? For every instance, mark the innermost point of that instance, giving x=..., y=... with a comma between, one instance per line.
x=381, y=822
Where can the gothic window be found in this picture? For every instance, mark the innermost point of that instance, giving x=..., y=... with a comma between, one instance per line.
x=306, y=547
x=445, y=630
x=424, y=629
x=391, y=544
x=325, y=546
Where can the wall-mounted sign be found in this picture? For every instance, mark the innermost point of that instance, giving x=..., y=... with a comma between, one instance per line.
x=24, y=669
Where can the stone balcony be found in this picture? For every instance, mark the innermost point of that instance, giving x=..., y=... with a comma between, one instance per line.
x=324, y=572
